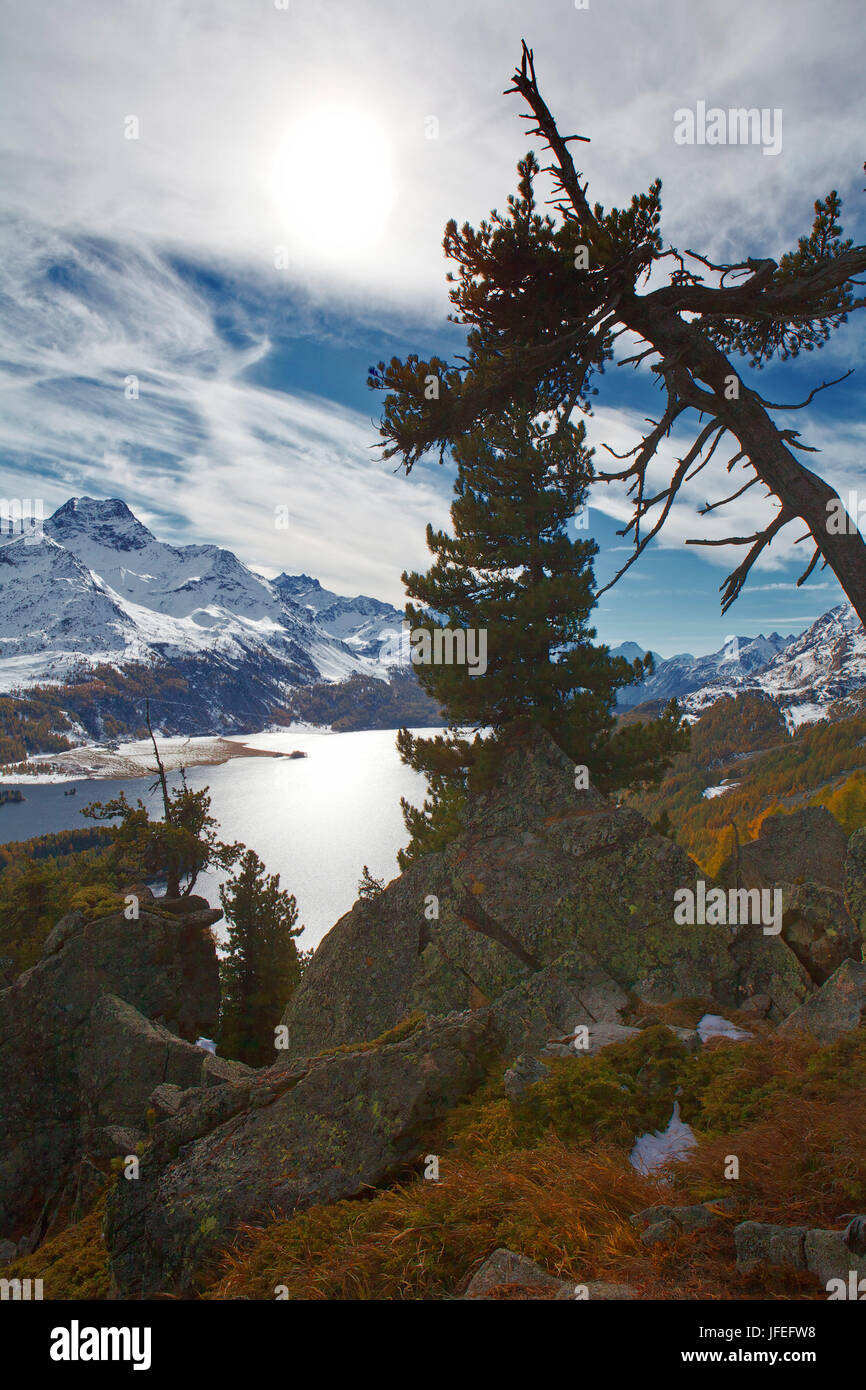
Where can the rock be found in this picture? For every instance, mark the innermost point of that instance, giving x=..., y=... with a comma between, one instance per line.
x=826, y=1254
x=598, y=1036
x=138, y=890
x=200, y=921
x=523, y=1073
x=504, y=1269
x=767, y=967
x=829, y=1257
x=285, y=1139
x=216, y=1071
x=663, y=1223
x=165, y=1100
x=650, y=1216
x=761, y=1244
x=855, y=879
x=836, y=1008
x=694, y=1218
x=62, y=931
x=92, y=1182
x=689, y=1037
x=818, y=929
x=8, y=1251
x=659, y=1231
x=114, y=1141
x=551, y=1003
x=163, y=972
x=855, y=1235
x=183, y=906
x=122, y=1057
x=538, y=870
x=758, y=1004
x=808, y=844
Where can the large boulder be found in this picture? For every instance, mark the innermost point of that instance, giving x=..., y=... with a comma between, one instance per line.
x=288, y=1137
x=855, y=878
x=122, y=1058
x=829, y=1255
x=539, y=868
x=818, y=929
x=836, y=1008
x=55, y=1086
x=808, y=844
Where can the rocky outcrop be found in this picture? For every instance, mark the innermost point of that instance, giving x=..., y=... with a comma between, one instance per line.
x=660, y=1223
x=283, y=1139
x=806, y=845
x=855, y=879
x=507, y=1275
x=540, y=868
x=837, y=1007
x=123, y=1058
x=829, y=1255
x=818, y=929
x=85, y=1036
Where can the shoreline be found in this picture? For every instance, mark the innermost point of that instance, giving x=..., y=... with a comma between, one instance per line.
x=135, y=759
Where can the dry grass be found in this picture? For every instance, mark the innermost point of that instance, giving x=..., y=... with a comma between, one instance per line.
x=794, y=1115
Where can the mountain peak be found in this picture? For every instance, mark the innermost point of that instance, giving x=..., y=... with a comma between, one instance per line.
x=105, y=520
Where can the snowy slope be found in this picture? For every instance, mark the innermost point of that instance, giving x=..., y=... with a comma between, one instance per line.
x=735, y=664
x=360, y=622
x=99, y=587
x=824, y=664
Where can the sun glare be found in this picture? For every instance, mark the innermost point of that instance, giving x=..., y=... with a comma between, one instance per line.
x=333, y=184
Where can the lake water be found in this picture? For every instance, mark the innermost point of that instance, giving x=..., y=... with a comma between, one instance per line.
x=315, y=821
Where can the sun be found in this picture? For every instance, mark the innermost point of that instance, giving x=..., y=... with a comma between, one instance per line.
x=333, y=184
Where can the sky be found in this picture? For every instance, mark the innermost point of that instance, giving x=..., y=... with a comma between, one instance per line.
x=216, y=213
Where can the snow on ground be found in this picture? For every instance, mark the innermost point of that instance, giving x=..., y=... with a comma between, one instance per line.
x=135, y=759
x=714, y=1026
x=795, y=715
x=720, y=790
x=652, y=1150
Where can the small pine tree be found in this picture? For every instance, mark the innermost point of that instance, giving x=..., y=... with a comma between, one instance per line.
x=512, y=572
x=262, y=966
x=369, y=886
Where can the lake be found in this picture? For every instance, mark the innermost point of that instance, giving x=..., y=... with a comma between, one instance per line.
x=315, y=821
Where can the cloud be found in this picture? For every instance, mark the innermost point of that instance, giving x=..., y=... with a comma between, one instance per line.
x=115, y=380
x=240, y=107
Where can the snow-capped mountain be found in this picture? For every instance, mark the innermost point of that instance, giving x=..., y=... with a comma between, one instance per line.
x=98, y=588
x=806, y=675
x=825, y=664
x=735, y=665
x=359, y=622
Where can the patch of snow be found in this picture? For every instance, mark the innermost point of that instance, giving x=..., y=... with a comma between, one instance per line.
x=665, y=1145
x=207, y=1043
x=714, y=1026
x=795, y=715
x=720, y=790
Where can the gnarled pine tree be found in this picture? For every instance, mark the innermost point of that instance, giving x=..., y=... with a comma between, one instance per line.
x=545, y=300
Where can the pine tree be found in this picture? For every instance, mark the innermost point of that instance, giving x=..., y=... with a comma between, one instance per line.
x=546, y=297
x=511, y=574
x=262, y=966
